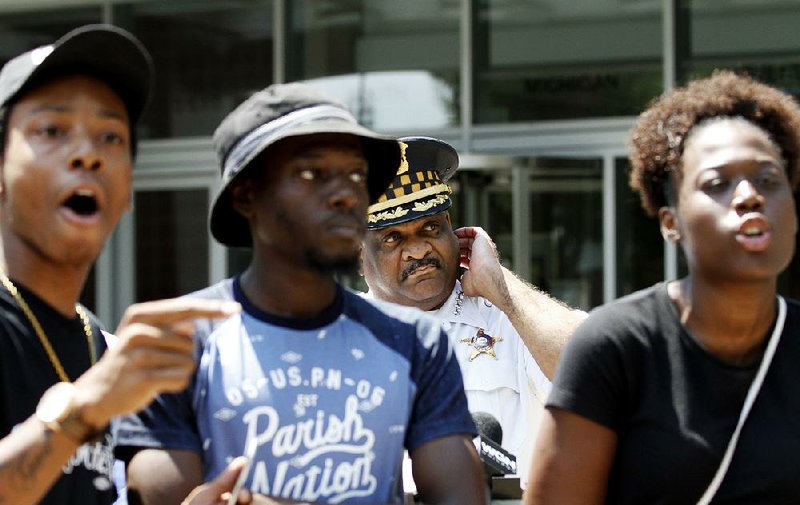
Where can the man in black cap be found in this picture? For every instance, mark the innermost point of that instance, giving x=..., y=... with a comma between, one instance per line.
x=67, y=116
x=322, y=386
x=506, y=334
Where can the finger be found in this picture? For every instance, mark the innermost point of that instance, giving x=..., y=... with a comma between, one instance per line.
x=152, y=358
x=245, y=497
x=184, y=327
x=135, y=335
x=144, y=336
x=178, y=309
x=225, y=480
x=469, y=232
x=464, y=232
x=181, y=329
x=216, y=489
x=155, y=381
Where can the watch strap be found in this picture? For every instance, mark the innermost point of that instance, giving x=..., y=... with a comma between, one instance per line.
x=59, y=414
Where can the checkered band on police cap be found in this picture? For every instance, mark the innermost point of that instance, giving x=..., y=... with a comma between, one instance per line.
x=420, y=186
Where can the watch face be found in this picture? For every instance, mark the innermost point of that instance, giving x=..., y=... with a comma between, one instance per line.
x=55, y=403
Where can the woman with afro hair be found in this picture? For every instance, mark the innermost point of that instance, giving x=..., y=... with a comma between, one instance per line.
x=687, y=391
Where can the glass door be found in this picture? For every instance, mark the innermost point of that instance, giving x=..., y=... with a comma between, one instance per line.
x=546, y=216
x=172, y=242
x=640, y=248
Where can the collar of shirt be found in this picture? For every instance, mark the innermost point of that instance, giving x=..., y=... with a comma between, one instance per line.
x=469, y=314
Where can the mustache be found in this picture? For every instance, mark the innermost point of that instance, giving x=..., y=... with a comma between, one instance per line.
x=419, y=264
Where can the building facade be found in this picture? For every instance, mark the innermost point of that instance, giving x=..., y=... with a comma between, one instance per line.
x=537, y=96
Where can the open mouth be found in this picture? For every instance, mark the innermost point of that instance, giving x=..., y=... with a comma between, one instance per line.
x=752, y=231
x=83, y=203
x=754, y=235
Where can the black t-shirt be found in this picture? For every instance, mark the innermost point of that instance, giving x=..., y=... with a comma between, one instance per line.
x=634, y=368
x=26, y=373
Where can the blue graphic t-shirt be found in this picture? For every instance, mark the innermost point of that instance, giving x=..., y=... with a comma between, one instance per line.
x=329, y=402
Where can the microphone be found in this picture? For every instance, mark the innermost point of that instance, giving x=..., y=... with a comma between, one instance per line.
x=488, y=426
x=496, y=460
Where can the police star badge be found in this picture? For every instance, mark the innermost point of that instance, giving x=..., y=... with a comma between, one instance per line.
x=482, y=343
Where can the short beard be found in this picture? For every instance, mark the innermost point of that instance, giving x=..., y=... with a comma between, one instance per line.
x=316, y=258
x=342, y=266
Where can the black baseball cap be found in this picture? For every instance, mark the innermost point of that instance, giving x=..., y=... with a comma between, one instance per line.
x=278, y=112
x=106, y=52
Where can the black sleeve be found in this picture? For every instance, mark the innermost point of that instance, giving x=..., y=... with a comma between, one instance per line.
x=593, y=375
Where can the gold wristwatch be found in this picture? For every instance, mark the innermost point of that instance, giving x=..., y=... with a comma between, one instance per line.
x=58, y=412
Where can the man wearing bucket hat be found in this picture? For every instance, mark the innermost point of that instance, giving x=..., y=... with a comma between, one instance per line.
x=67, y=113
x=323, y=386
x=506, y=334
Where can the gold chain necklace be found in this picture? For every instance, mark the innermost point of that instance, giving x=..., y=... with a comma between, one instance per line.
x=37, y=328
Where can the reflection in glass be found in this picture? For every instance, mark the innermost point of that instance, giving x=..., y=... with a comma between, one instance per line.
x=418, y=99
x=21, y=31
x=561, y=59
x=640, y=248
x=566, y=238
x=483, y=198
x=394, y=64
x=209, y=56
x=171, y=243
x=758, y=37
x=566, y=222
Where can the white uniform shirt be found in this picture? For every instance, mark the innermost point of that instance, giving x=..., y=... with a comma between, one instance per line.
x=512, y=387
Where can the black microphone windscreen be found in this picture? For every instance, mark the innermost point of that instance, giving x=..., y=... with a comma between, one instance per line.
x=488, y=426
